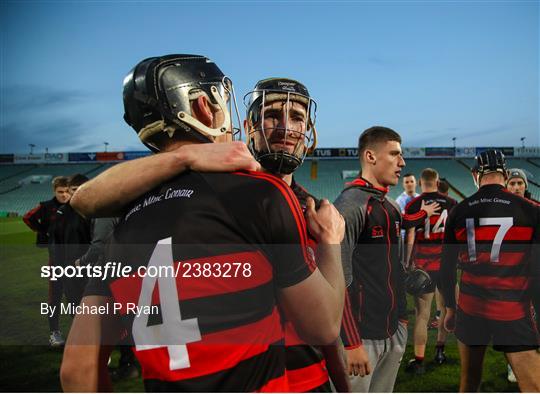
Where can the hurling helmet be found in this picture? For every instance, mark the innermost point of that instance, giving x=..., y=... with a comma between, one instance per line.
x=283, y=148
x=417, y=281
x=489, y=161
x=158, y=92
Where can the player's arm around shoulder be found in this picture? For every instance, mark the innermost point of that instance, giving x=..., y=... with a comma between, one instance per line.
x=89, y=344
x=315, y=304
x=108, y=193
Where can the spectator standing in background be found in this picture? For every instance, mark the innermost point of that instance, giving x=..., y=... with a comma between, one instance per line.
x=41, y=219
x=409, y=191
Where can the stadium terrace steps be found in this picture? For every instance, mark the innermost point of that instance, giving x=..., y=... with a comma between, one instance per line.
x=536, y=164
x=99, y=169
x=7, y=172
x=328, y=183
x=20, y=199
x=466, y=165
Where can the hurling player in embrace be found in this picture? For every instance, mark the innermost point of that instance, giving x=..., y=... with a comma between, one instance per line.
x=220, y=333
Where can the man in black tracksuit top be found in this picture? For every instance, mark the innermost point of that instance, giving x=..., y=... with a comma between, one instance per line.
x=72, y=237
x=494, y=236
x=373, y=336
x=42, y=219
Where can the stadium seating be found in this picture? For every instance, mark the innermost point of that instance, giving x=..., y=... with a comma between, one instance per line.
x=328, y=180
x=20, y=198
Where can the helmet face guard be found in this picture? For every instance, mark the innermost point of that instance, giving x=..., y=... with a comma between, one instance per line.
x=280, y=124
x=158, y=93
x=417, y=281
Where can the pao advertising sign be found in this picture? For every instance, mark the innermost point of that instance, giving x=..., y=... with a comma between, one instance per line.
x=55, y=157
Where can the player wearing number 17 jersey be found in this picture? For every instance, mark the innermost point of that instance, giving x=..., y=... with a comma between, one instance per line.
x=493, y=236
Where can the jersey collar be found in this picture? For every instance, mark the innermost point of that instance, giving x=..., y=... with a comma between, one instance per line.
x=364, y=183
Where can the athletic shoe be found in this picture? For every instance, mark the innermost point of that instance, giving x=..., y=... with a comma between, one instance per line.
x=415, y=367
x=56, y=339
x=440, y=357
x=511, y=377
x=434, y=323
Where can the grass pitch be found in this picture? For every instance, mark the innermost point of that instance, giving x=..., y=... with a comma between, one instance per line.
x=36, y=368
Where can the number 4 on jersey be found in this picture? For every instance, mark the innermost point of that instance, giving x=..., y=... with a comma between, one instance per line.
x=504, y=225
x=174, y=332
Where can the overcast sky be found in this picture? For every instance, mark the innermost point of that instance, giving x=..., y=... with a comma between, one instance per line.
x=431, y=70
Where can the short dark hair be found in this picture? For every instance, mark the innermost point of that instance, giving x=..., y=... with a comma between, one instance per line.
x=443, y=186
x=77, y=180
x=407, y=175
x=375, y=135
x=59, y=181
x=429, y=175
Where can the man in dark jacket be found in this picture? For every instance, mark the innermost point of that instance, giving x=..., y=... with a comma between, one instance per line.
x=374, y=330
x=41, y=219
x=72, y=238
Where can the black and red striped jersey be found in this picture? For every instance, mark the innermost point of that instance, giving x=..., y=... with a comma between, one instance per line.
x=305, y=364
x=233, y=239
x=493, y=237
x=430, y=230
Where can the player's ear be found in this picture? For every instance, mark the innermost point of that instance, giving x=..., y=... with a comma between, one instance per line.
x=202, y=111
x=369, y=157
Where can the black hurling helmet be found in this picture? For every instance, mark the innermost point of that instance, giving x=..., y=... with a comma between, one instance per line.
x=157, y=95
x=286, y=158
x=489, y=161
x=417, y=281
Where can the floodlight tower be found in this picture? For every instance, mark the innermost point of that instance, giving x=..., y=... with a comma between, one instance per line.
x=32, y=146
x=106, y=145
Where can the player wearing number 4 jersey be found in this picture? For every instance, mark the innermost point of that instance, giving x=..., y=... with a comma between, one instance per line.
x=238, y=240
x=494, y=236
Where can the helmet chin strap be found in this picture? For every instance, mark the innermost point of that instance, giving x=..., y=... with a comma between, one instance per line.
x=195, y=124
x=278, y=162
x=159, y=126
